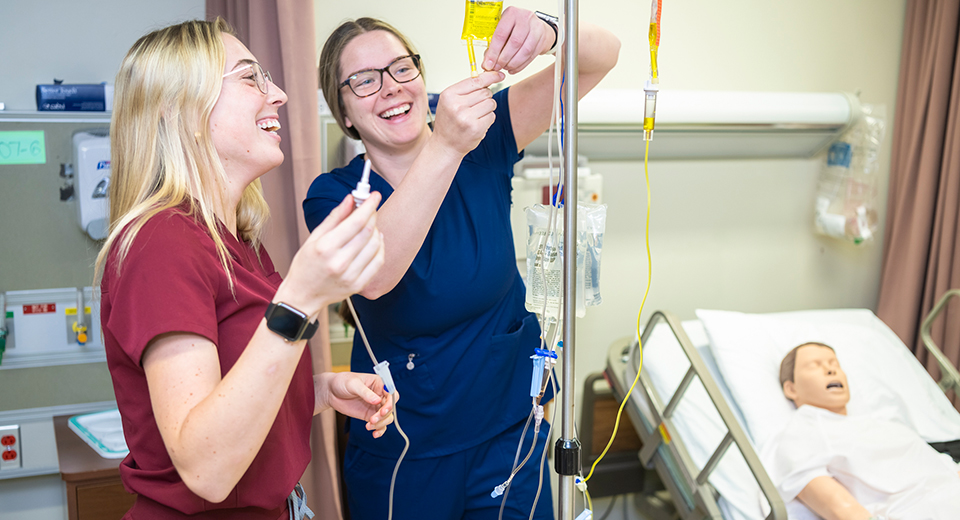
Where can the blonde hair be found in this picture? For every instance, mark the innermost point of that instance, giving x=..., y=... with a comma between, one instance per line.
x=329, y=69
x=162, y=153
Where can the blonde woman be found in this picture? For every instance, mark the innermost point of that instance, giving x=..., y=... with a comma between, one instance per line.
x=205, y=342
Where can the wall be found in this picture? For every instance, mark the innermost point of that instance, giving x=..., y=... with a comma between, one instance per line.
x=78, y=42
x=731, y=235
x=43, y=247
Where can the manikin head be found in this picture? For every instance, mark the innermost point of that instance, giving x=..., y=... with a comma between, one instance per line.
x=811, y=374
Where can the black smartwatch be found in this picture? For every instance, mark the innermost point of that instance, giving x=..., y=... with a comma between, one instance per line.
x=289, y=323
x=554, y=24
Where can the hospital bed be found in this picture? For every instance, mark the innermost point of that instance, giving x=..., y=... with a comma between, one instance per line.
x=708, y=399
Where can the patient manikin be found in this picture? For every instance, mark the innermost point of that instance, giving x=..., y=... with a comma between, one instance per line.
x=853, y=467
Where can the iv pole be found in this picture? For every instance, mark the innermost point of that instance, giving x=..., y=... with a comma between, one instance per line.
x=567, y=449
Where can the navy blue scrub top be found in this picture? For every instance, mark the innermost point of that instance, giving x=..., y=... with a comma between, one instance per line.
x=459, y=309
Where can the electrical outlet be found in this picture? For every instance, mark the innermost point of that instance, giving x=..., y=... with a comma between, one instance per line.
x=10, y=453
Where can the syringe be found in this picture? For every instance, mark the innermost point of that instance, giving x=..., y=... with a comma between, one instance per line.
x=363, y=187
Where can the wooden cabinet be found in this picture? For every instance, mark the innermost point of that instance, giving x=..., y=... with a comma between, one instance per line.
x=94, y=491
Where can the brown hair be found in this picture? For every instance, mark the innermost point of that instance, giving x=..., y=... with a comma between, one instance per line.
x=329, y=69
x=789, y=363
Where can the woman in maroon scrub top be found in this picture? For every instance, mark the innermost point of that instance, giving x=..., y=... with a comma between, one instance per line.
x=205, y=342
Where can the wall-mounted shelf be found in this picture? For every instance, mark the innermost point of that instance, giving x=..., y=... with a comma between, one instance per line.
x=33, y=116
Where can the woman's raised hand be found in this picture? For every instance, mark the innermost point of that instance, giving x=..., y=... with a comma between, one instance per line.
x=465, y=112
x=337, y=260
x=519, y=38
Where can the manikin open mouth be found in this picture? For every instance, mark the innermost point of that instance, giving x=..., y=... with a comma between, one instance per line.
x=834, y=384
x=270, y=125
x=402, y=109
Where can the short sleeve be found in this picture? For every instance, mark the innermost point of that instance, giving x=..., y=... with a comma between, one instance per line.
x=795, y=457
x=326, y=192
x=168, y=282
x=498, y=150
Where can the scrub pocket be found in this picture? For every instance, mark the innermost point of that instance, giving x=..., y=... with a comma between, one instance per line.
x=413, y=372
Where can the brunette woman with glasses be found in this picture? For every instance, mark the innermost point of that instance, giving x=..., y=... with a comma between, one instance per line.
x=447, y=310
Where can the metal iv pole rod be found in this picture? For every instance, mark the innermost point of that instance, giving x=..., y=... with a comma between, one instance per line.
x=567, y=449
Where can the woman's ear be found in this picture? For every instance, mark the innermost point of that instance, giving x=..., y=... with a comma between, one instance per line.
x=346, y=122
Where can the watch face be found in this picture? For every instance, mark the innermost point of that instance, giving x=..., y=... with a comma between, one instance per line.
x=286, y=321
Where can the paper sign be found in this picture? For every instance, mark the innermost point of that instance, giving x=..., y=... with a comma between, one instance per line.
x=23, y=147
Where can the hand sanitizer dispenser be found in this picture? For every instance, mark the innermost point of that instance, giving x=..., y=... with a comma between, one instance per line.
x=91, y=159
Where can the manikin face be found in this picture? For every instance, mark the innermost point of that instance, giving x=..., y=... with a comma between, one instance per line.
x=818, y=380
x=397, y=114
x=244, y=121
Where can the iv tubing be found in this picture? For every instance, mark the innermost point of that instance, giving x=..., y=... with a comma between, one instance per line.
x=396, y=418
x=626, y=398
x=516, y=468
x=543, y=454
x=473, y=59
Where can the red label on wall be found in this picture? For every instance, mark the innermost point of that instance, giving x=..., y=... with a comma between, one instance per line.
x=40, y=308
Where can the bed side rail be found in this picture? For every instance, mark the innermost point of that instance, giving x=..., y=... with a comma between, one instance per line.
x=949, y=377
x=698, y=478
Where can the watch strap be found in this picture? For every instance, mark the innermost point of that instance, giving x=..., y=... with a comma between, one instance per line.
x=554, y=24
x=290, y=331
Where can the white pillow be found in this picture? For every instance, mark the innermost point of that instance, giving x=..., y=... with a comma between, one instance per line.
x=886, y=380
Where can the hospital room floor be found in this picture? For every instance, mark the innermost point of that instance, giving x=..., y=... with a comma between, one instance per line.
x=619, y=507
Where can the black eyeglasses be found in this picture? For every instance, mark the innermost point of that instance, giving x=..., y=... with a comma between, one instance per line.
x=368, y=82
x=260, y=76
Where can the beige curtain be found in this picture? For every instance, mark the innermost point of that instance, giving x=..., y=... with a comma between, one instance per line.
x=920, y=257
x=280, y=33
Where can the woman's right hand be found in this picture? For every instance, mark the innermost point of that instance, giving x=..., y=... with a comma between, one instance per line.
x=465, y=112
x=337, y=260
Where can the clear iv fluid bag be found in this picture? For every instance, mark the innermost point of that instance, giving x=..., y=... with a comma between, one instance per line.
x=545, y=259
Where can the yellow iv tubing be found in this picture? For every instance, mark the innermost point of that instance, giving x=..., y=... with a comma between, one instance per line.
x=651, y=90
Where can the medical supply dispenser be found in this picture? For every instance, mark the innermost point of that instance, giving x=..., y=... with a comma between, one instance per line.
x=42, y=325
x=91, y=160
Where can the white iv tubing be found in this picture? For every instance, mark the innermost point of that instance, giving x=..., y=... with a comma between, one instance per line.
x=396, y=420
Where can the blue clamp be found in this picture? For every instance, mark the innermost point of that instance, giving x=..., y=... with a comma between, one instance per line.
x=539, y=361
x=545, y=353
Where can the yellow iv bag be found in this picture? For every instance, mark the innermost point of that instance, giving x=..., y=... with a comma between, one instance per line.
x=480, y=20
x=479, y=23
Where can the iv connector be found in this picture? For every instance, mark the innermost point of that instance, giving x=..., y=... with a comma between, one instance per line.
x=497, y=491
x=650, y=90
x=382, y=369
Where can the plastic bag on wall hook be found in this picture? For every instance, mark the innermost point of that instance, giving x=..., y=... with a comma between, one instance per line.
x=846, y=200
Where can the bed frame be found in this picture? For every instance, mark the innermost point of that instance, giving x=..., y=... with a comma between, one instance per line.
x=693, y=497
x=949, y=377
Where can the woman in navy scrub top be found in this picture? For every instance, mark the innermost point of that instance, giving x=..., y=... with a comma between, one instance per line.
x=447, y=309
x=216, y=405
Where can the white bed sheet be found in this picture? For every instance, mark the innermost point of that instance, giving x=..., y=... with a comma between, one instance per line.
x=746, y=349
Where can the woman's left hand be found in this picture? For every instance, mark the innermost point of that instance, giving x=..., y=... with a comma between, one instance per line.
x=519, y=38
x=356, y=395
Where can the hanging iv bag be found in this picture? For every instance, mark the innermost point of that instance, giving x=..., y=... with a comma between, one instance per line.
x=545, y=258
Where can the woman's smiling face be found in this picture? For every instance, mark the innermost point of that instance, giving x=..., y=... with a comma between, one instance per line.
x=244, y=122
x=396, y=115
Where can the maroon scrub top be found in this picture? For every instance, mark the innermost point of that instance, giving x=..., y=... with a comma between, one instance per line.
x=172, y=280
